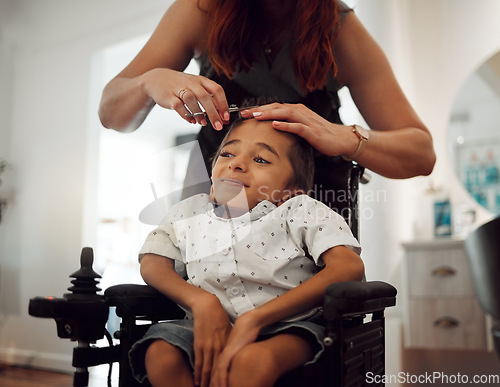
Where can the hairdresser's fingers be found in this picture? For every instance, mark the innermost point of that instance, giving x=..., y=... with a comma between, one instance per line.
x=297, y=128
x=215, y=103
x=207, y=100
x=172, y=89
x=263, y=111
x=280, y=112
x=195, y=98
x=190, y=104
x=329, y=139
x=181, y=109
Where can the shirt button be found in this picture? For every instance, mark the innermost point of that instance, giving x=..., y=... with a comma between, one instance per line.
x=235, y=291
x=225, y=251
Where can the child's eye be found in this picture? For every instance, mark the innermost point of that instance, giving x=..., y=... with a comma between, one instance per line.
x=260, y=160
x=226, y=154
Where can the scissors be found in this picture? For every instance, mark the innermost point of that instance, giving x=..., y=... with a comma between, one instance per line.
x=232, y=109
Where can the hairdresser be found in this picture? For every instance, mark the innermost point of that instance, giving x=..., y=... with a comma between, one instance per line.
x=301, y=51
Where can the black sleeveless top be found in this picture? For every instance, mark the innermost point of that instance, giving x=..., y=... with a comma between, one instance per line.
x=278, y=80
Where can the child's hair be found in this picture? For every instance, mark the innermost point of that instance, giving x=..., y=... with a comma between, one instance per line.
x=300, y=153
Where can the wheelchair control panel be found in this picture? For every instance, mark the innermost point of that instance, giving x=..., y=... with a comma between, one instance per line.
x=80, y=315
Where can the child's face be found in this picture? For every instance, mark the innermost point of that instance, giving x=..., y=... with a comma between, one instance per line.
x=254, y=162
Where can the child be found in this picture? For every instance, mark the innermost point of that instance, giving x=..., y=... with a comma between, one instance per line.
x=252, y=251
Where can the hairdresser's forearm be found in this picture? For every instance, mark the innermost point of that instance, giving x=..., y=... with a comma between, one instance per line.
x=398, y=154
x=125, y=104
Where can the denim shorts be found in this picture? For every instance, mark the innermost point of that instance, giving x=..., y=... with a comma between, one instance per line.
x=180, y=334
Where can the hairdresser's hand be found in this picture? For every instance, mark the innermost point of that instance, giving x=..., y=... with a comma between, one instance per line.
x=184, y=93
x=245, y=331
x=327, y=137
x=211, y=330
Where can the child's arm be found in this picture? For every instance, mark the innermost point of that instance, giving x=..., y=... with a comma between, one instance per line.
x=341, y=264
x=211, y=322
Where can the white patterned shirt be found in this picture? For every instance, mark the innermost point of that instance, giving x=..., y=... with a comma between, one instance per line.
x=249, y=260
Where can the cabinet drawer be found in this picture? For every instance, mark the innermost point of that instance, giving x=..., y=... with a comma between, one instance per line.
x=446, y=323
x=438, y=273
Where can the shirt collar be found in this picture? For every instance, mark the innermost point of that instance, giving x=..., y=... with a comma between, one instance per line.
x=261, y=209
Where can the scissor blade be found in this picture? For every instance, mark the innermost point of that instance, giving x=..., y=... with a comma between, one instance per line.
x=232, y=109
x=239, y=109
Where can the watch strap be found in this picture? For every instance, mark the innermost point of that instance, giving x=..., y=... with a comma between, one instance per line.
x=362, y=141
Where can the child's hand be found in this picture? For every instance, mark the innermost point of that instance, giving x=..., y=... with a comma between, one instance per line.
x=211, y=330
x=245, y=331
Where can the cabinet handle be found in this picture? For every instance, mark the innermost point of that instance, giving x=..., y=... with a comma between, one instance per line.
x=443, y=271
x=446, y=322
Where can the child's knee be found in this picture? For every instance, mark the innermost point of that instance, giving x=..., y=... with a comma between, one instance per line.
x=253, y=362
x=166, y=365
x=162, y=355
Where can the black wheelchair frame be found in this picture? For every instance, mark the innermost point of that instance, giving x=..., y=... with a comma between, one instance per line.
x=353, y=311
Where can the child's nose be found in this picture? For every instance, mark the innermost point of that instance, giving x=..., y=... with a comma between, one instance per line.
x=237, y=164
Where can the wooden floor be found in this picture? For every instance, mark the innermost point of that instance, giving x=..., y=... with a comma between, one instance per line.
x=13, y=376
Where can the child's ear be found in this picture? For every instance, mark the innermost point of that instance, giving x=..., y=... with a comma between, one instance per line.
x=212, y=192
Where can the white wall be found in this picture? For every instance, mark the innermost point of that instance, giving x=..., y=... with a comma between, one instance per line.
x=433, y=45
x=46, y=53
x=49, y=46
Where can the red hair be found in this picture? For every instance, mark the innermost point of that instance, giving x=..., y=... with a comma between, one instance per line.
x=231, y=38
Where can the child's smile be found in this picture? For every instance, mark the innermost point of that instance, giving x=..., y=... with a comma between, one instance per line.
x=253, y=166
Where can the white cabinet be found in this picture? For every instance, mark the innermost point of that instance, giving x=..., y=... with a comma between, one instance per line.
x=441, y=308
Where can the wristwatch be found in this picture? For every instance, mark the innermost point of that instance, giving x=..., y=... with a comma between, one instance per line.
x=363, y=136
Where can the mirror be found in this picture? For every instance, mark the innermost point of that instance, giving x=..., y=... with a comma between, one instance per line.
x=474, y=134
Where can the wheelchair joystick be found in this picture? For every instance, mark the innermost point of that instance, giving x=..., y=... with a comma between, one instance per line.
x=80, y=315
x=84, y=283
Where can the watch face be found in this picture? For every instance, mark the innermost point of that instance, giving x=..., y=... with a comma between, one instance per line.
x=362, y=132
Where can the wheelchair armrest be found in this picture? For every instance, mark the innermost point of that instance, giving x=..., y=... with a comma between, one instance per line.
x=343, y=298
x=354, y=297
x=142, y=300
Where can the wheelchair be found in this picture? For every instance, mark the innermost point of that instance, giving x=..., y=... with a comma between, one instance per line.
x=353, y=312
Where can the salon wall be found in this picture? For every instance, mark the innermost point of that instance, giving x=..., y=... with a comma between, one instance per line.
x=48, y=135
x=5, y=80
x=46, y=132
x=433, y=47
